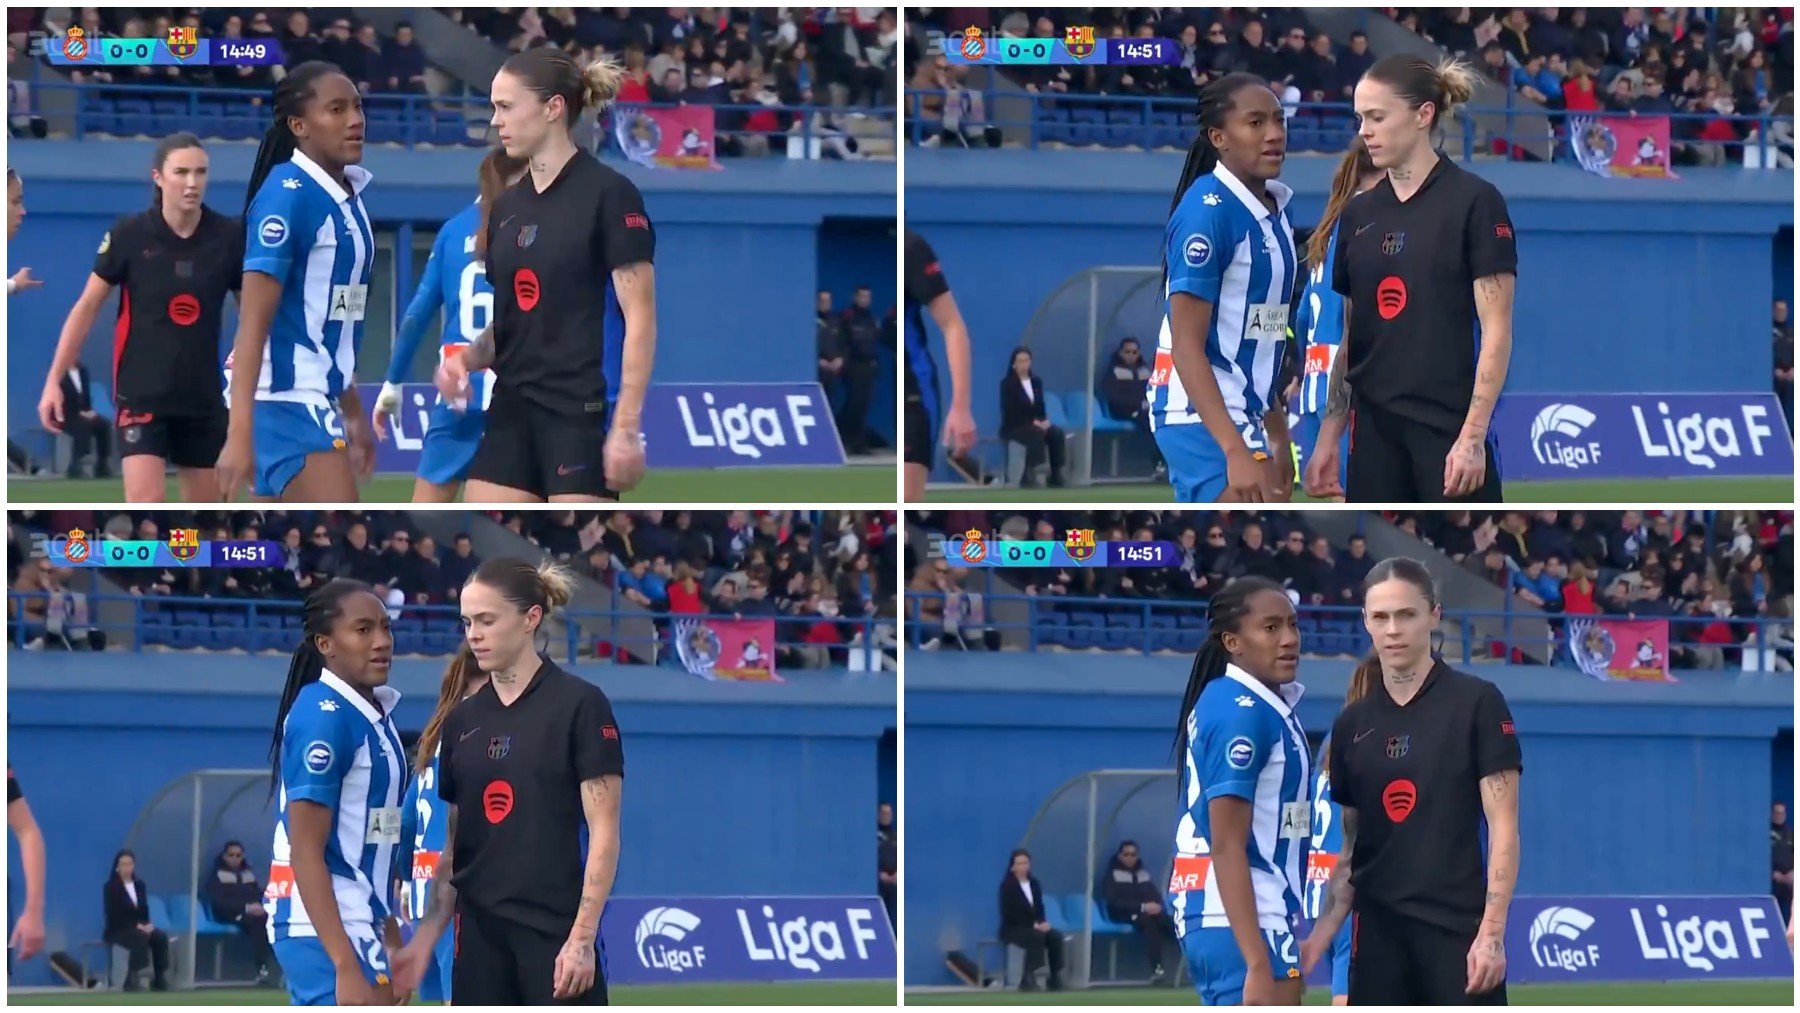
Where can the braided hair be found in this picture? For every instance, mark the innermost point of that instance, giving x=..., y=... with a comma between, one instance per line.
x=1224, y=615
x=1216, y=102
x=279, y=143
x=322, y=609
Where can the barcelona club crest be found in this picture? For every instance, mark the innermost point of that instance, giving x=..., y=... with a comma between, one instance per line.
x=184, y=543
x=974, y=47
x=184, y=41
x=1079, y=41
x=1393, y=242
x=1079, y=544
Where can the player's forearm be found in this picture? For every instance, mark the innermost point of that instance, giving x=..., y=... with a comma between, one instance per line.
x=31, y=856
x=958, y=357
x=1339, y=895
x=406, y=345
x=1231, y=866
x=1500, y=806
x=600, y=799
x=636, y=286
x=479, y=354
x=312, y=881
x=1337, y=386
x=256, y=314
x=350, y=403
x=1196, y=377
x=1494, y=307
x=74, y=334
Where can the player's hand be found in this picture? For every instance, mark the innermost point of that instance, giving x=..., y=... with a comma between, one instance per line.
x=1465, y=468
x=387, y=403
x=1312, y=950
x=23, y=280
x=28, y=935
x=235, y=464
x=50, y=407
x=574, y=968
x=624, y=458
x=1259, y=987
x=354, y=990
x=1244, y=476
x=362, y=447
x=959, y=431
x=1487, y=963
x=407, y=965
x=453, y=382
x=1322, y=468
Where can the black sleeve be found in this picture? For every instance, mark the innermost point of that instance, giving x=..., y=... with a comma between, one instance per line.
x=237, y=259
x=596, y=746
x=925, y=279
x=1340, y=767
x=626, y=235
x=447, y=735
x=1488, y=239
x=110, y=261
x=13, y=791
x=1496, y=743
x=1340, y=260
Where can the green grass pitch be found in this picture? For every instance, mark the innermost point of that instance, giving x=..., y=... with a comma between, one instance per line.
x=1675, y=993
x=856, y=483
x=1710, y=491
x=803, y=993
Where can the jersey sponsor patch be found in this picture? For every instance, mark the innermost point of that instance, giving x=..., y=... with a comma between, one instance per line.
x=318, y=756
x=281, y=882
x=1268, y=321
x=105, y=243
x=272, y=231
x=1318, y=359
x=425, y=864
x=1189, y=873
x=1296, y=820
x=384, y=825
x=636, y=221
x=348, y=302
x=1197, y=250
x=1239, y=752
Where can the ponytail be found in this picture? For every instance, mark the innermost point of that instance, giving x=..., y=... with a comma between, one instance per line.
x=1351, y=168
x=1215, y=102
x=279, y=143
x=497, y=171
x=457, y=676
x=320, y=612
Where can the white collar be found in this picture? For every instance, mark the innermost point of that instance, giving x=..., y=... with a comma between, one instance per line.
x=387, y=696
x=1283, y=698
x=357, y=176
x=1277, y=189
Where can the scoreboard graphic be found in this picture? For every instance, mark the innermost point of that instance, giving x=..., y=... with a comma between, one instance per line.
x=1079, y=547
x=1078, y=46
x=183, y=46
x=182, y=548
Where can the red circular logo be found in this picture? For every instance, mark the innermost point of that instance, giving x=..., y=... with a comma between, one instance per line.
x=525, y=288
x=184, y=309
x=1390, y=297
x=497, y=801
x=1399, y=798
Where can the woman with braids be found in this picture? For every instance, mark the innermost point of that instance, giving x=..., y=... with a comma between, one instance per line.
x=456, y=282
x=1421, y=757
x=174, y=262
x=1426, y=264
x=297, y=430
x=1240, y=844
x=1319, y=320
x=569, y=253
x=535, y=757
x=1228, y=274
x=424, y=819
x=340, y=774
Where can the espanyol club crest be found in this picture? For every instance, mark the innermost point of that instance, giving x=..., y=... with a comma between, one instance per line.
x=974, y=549
x=1079, y=41
x=974, y=47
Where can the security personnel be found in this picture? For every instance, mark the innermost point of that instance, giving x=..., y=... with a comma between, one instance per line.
x=1423, y=257
x=1424, y=763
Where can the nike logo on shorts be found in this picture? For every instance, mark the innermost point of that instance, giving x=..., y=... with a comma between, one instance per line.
x=565, y=471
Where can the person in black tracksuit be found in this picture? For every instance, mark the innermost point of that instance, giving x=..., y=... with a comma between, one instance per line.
x=1132, y=898
x=1425, y=763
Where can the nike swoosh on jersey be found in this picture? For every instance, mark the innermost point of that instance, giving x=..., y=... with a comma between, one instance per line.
x=468, y=733
x=1365, y=733
x=1364, y=229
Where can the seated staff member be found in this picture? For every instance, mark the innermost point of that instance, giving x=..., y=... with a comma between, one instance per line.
x=536, y=760
x=1421, y=759
x=569, y=252
x=1422, y=258
x=928, y=289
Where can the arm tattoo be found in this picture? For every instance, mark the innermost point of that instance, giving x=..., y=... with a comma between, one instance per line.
x=1498, y=787
x=1337, y=396
x=1339, y=894
x=443, y=894
x=480, y=353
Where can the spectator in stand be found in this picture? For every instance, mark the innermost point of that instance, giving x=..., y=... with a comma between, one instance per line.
x=338, y=45
x=1319, y=585
x=359, y=560
x=1537, y=586
x=1354, y=64
x=1291, y=565
x=756, y=601
x=1784, y=359
x=1494, y=65
x=1589, y=42
x=1254, y=53
x=599, y=566
x=403, y=62
x=460, y=565
x=1317, y=75
x=235, y=898
x=643, y=586
x=1516, y=36
x=298, y=43
x=1511, y=537
x=366, y=64
x=619, y=536
x=1537, y=82
x=1491, y=566
x=684, y=591
x=1454, y=30
x=394, y=553
x=1253, y=558
x=1353, y=567
x=1622, y=94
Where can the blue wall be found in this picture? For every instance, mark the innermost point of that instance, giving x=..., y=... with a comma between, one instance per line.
x=1627, y=789
x=738, y=251
x=729, y=788
x=1623, y=285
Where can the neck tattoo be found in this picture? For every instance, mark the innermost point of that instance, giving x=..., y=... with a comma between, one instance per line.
x=1400, y=175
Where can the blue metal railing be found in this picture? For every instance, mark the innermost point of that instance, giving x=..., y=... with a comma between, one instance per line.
x=1146, y=638
x=264, y=625
x=406, y=119
x=1149, y=124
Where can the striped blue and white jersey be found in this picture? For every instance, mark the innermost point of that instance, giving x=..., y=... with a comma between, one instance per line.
x=455, y=280
x=342, y=752
x=427, y=820
x=1319, y=326
x=1327, y=839
x=1244, y=741
x=307, y=233
x=1223, y=245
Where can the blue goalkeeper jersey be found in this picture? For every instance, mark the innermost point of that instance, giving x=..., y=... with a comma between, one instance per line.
x=455, y=281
